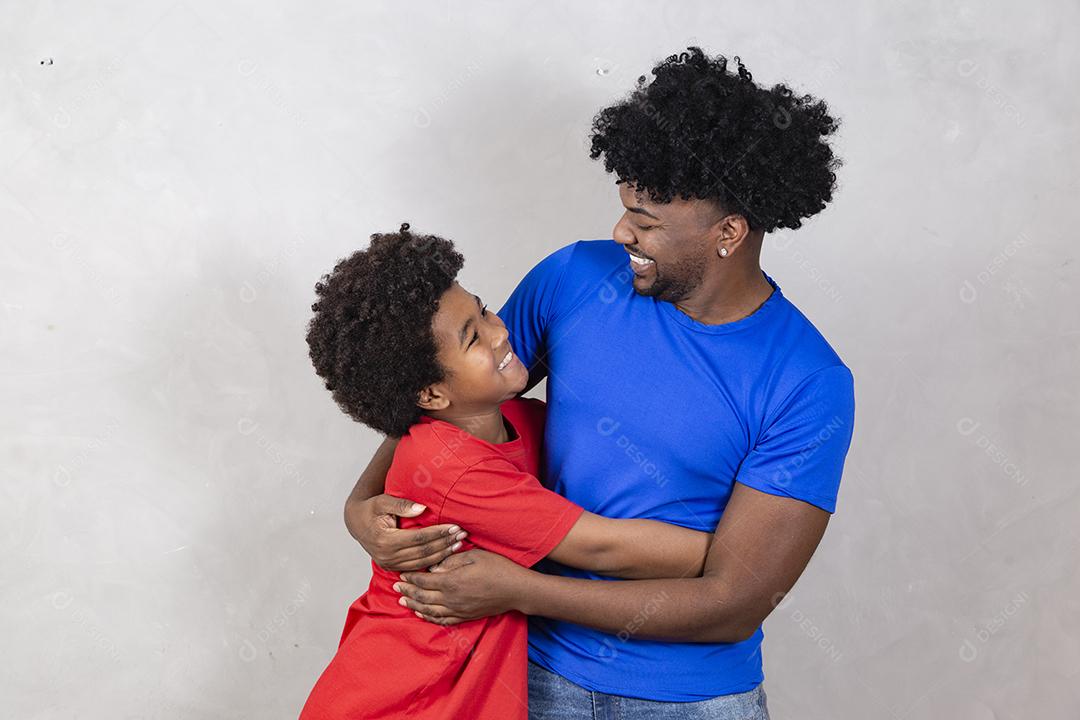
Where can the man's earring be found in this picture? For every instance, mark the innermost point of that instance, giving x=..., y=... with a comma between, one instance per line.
x=723, y=252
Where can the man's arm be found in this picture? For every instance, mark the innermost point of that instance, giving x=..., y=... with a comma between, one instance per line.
x=765, y=538
x=761, y=546
x=632, y=548
x=371, y=483
x=371, y=518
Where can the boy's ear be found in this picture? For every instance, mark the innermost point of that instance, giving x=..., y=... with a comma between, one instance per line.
x=433, y=397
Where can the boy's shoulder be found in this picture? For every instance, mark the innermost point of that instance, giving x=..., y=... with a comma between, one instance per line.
x=428, y=459
x=435, y=448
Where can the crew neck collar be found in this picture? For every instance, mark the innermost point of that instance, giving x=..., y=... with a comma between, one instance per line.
x=510, y=444
x=766, y=309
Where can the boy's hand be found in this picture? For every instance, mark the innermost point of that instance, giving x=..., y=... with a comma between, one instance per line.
x=373, y=522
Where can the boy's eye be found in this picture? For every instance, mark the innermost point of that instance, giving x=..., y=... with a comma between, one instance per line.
x=475, y=337
x=483, y=310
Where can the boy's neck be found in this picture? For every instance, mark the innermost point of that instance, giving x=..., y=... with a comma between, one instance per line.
x=488, y=426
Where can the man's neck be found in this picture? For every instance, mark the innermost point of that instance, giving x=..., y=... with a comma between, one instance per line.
x=726, y=297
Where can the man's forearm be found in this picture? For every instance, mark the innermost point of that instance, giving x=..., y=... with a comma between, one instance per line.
x=372, y=481
x=681, y=610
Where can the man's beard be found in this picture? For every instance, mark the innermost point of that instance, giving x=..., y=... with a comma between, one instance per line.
x=676, y=284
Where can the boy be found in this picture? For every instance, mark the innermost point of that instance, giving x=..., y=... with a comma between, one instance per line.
x=405, y=349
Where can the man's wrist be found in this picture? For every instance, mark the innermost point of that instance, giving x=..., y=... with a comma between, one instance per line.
x=352, y=523
x=525, y=588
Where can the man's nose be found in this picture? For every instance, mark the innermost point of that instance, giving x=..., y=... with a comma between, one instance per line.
x=622, y=235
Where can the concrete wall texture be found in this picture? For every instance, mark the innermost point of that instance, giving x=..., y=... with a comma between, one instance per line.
x=175, y=176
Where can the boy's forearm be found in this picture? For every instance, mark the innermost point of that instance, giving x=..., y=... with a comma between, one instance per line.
x=644, y=549
x=677, y=609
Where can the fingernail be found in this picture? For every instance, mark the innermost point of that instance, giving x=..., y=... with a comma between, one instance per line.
x=462, y=535
x=417, y=507
x=397, y=587
x=417, y=614
x=401, y=601
x=402, y=576
x=453, y=529
x=455, y=546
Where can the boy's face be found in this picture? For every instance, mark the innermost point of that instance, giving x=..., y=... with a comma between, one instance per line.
x=474, y=348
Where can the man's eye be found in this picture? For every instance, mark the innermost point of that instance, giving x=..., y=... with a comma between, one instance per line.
x=642, y=227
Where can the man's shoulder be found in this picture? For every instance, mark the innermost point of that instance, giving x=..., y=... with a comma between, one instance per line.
x=806, y=350
x=597, y=256
x=584, y=258
x=800, y=360
x=589, y=271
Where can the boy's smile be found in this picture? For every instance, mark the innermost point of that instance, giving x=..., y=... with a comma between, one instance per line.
x=482, y=369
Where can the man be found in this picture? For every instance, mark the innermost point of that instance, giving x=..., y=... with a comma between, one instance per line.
x=682, y=386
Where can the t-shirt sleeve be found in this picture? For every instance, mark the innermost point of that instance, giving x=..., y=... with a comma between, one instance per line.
x=801, y=453
x=531, y=307
x=507, y=511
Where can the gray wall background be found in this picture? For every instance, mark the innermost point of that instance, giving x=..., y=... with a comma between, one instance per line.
x=175, y=181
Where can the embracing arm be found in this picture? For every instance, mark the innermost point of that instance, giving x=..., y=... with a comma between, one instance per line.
x=632, y=548
x=765, y=538
x=371, y=518
x=371, y=483
x=761, y=546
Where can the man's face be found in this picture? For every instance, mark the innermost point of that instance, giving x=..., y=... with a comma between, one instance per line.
x=670, y=245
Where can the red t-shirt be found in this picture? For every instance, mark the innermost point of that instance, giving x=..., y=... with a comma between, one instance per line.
x=392, y=664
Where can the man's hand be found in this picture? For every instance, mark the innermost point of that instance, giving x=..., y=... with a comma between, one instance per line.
x=373, y=522
x=470, y=585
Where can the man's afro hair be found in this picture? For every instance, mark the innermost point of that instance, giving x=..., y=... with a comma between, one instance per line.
x=699, y=130
x=371, y=338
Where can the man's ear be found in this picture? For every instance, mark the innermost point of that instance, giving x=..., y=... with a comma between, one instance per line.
x=728, y=233
x=433, y=397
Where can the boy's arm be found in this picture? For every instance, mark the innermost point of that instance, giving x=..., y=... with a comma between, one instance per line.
x=633, y=549
x=371, y=518
x=508, y=511
x=623, y=548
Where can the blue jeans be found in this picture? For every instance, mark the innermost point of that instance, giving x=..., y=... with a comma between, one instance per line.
x=553, y=697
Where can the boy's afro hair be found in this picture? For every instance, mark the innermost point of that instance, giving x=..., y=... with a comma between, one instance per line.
x=371, y=338
x=698, y=130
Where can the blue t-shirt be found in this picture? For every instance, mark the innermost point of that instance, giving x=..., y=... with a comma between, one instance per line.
x=652, y=414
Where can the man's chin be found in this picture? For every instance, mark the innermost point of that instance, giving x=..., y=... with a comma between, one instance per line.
x=647, y=288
